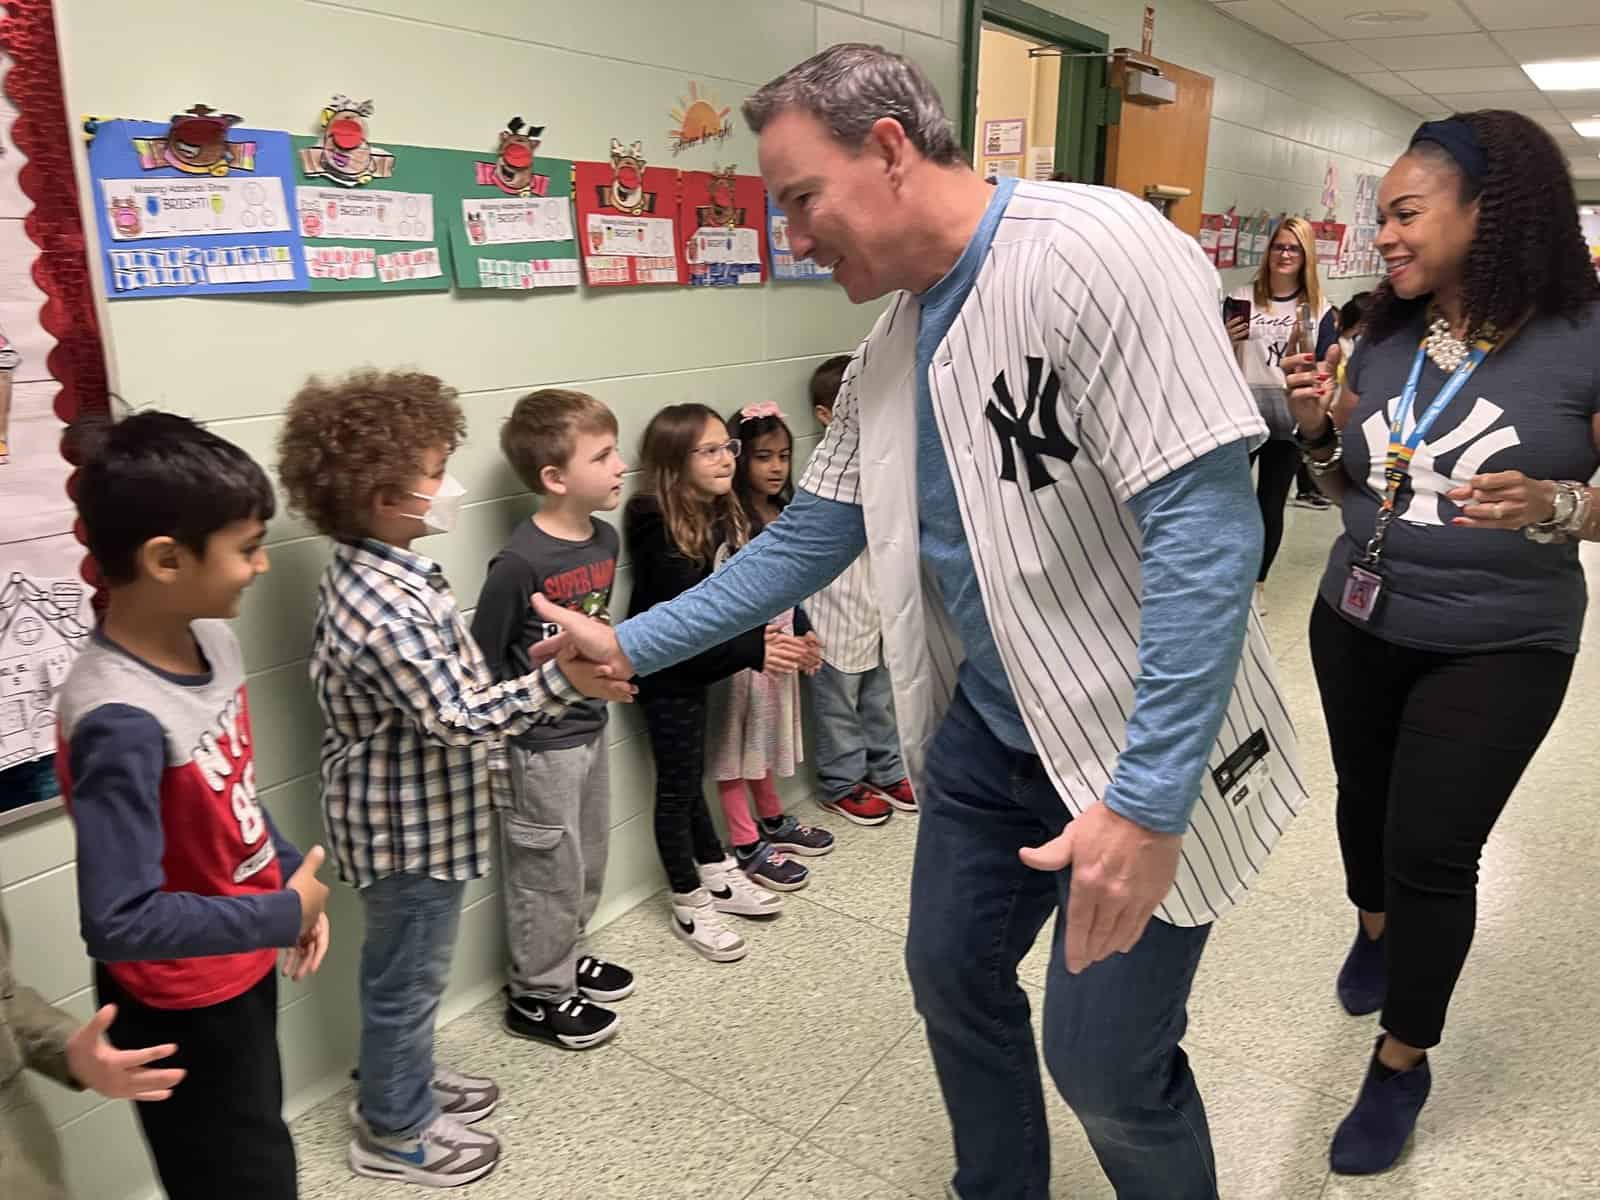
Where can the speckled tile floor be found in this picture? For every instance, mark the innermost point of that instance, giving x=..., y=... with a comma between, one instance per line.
x=801, y=1073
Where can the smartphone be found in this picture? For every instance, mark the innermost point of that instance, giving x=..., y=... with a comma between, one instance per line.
x=1232, y=309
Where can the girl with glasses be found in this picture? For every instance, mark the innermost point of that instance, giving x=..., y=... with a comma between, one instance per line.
x=684, y=514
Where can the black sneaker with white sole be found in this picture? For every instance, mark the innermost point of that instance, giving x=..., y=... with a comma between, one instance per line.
x=571, y=1024
x=602, y=981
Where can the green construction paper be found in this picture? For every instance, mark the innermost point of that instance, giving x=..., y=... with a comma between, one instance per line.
x=417, y=169
x=495, y=265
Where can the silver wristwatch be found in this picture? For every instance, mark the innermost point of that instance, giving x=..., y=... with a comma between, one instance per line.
x=1568, y=516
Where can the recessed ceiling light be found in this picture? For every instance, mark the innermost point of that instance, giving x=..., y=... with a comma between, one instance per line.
x=1387, y=16
x=1565, y=75
x=1589, y=129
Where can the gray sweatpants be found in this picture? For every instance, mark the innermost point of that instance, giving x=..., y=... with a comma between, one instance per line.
x=553, y=842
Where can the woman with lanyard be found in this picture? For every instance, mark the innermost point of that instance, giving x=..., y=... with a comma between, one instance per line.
x=1287, y=312
x=1446, y=625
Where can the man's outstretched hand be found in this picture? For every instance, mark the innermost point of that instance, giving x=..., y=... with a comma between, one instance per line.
x=593, y=641
x=1121, y=872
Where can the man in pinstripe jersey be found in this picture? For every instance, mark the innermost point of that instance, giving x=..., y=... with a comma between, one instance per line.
x=1044, y=443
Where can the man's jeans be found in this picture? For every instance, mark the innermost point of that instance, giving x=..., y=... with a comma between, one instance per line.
x=553, y=843
x=405, y=963
x=856, y=738
x=1111, y=1033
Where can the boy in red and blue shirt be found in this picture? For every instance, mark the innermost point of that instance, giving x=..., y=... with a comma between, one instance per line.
x=186, y=891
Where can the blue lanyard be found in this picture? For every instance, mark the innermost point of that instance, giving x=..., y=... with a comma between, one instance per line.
x=1400, y=451
x=1398, y=464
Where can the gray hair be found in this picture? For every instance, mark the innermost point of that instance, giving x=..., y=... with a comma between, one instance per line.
x=851, y=86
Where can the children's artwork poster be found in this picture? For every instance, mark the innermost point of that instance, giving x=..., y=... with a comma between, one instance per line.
x=364, y=211
x=720, y=214
x=197, y=206
x=1228, y=243
x=1329, y=235
x=510, y=214
x=781, y=254
x=1211, y=234
x=627, y=220
x=45, y=611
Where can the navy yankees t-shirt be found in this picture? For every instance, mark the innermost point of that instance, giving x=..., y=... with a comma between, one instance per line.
x=1529, y=407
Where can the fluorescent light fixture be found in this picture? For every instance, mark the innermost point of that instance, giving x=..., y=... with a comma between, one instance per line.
x=1589, y=129
x=1565, y=75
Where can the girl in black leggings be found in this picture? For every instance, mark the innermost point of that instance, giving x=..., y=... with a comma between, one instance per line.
x=683, y=513
x=1449, y=615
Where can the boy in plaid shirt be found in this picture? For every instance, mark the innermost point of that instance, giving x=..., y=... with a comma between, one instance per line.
x=411, y=711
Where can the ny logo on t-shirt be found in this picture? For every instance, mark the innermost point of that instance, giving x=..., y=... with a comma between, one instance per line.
x=1014, y=430
x=1476, y=438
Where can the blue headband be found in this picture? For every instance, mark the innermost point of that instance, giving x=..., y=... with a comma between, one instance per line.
x=1459, y=141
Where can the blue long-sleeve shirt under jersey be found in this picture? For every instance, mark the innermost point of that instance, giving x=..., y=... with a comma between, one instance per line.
x=1201, y=530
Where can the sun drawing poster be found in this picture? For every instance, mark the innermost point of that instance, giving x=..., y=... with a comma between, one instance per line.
x=627, y=223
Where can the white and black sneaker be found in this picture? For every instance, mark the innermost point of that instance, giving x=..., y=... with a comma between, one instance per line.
x=732, y=891
x=603, y=982
x=697, y=924
x=571, y=1024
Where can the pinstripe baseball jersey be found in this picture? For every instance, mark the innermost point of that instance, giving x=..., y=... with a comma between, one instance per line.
x=1085, y=365
x=845, y=617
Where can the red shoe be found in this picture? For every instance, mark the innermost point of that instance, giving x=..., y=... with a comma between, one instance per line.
x=898, y=794
x=861, y=804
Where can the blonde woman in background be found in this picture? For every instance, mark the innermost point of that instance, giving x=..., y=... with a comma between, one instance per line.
x=1286, y=291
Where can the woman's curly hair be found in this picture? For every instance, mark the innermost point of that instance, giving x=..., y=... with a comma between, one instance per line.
x=343, y=441
x=1529, y=256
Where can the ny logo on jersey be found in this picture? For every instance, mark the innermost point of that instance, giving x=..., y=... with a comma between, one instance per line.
x=1014, y=430
x=1476, y=438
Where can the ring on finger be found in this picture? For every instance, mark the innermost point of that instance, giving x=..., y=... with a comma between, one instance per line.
x=1499, y=511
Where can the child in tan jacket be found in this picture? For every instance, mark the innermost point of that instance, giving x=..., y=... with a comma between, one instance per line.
x=37, y=1035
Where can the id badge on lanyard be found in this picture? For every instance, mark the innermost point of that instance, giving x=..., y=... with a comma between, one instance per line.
x=1363, y=587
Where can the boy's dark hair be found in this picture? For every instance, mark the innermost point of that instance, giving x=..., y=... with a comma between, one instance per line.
x=344, y=441
x=156, y=474
x=1354, y=312
x=825, y=381
x=543, y=430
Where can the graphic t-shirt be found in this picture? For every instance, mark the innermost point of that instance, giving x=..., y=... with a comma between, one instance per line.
x=180, y=871
x=576, y=575
x=1528, y=408
x=1261, y=358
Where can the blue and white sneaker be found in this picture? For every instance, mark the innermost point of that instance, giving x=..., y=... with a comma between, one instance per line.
x=791, y=837
x=771, y=870
x=445, y=1154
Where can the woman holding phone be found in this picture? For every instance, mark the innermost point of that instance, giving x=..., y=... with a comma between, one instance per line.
x=1448, y=618
x=1287, y=314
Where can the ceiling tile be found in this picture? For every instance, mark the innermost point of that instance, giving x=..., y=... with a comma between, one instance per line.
x=1338, y=55
x=1480, y=79
x=1273, y=19
x=1529, y=14
x=1440, y=16
x=1538, y=45
x=1532, y=103
x=1578, y=105
x=1448, y=50
x=1385, y=83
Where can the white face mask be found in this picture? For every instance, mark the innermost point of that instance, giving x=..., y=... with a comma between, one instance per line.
x=444, y=506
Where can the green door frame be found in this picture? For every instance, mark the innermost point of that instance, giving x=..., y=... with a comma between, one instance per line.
x=1083, y=106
